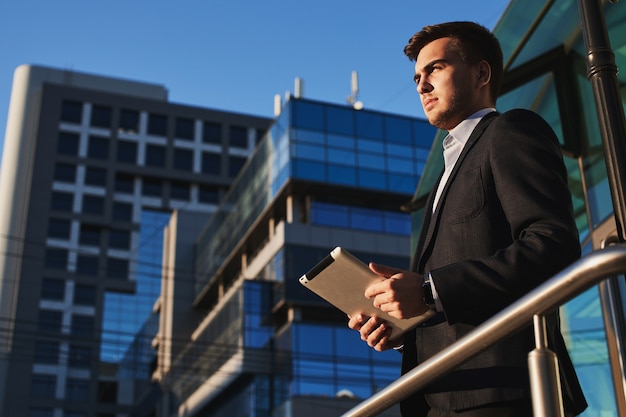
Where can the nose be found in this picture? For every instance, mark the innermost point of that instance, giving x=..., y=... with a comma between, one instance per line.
x=423, y=86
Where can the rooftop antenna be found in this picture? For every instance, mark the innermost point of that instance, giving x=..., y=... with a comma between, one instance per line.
x=352, y=98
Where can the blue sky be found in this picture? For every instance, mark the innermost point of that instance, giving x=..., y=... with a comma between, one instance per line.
x=234, y=55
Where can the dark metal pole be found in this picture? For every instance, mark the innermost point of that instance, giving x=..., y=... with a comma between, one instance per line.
x=602, y=73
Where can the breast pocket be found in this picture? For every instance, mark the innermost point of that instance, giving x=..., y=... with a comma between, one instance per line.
x=466, y=197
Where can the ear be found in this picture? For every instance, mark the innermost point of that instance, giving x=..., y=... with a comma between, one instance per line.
x=483, y=74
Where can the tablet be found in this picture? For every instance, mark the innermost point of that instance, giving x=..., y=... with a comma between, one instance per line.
x=341, y=279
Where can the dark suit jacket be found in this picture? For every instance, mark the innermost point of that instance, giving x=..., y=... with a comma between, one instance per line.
x=504, y=224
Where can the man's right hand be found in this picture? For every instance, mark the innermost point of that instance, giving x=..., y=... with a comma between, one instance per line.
x=373, y=330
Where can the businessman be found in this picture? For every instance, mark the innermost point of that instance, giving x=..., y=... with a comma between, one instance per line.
x=498, y=222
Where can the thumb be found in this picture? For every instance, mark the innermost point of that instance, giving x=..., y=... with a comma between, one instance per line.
x=384, y=270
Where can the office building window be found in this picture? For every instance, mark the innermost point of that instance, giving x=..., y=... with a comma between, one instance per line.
x=82, y=326
x=89, y=234
x=124, y=183
x=122, y=211
x=183, y=159
x=87, y=265
x=184, y=128
x=61, y=201
x=127, y=152
x=152, y=187
x=98, y=147
x=101, y=116
x=119, y=239
x=47, y=352
x=212, y=133
x=53, y=289
x=69, y=413
x=40, y=412
x=235, y=163
x=211, y=163
x=107, y=392
x=208, y=194
x=77, y=390
x=180, y=191
x=238, y=137
x=84, y=295
x=67, y=143
x=93, y=204
x=59, y=228
x=259, y=135
x=79, y=356
x=117, y=268
x=157, y=124
x=50, y=321
x=65, y=172
x=155, y=155
x=96, y=176
x=71, y=111
x=129, y=121
x=56, y=258
x=43, y=386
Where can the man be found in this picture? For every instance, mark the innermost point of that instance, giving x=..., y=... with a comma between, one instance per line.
x=498, y=223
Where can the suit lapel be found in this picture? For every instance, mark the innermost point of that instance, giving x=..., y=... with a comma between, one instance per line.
x=430, y=222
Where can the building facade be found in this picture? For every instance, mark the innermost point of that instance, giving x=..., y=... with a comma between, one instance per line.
x=261, y=344
x=90, y=165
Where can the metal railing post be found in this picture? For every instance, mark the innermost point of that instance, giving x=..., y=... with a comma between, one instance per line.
x=543, y=367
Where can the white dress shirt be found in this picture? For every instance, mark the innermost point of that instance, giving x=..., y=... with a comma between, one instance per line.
x=453, y=144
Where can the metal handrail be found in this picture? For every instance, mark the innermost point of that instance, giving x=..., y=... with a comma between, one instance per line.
x=572, y=281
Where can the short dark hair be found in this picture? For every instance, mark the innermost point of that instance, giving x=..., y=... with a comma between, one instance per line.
x=473, y=43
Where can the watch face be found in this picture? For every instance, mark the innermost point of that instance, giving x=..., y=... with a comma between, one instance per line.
x=428, y=293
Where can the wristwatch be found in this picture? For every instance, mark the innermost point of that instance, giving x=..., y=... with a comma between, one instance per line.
x=428, y=292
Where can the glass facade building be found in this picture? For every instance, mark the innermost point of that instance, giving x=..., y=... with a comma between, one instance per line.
x=324, y=175
x=544, y=56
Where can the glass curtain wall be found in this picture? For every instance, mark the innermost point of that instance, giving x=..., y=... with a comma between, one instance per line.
x=546, y=72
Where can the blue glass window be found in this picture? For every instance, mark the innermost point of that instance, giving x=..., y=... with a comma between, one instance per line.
x=129, y=121
x=95, y=176
x=341, y=156
x=342, y=175
x=372, y=161
x=339, y=141
x=127, y=151
x=365, y=219
x=308, y=115
x=402, y=183
x=56, y=258
x=87, y=265
x=101, y=116
x=65, y=172
x=67, y=143
x=59, y=228
x=369, y=125
x=310, y=136
x=309, y=170
x=330, y=214
x=372, y=179
x=339, y=120
x=398, y=130
x=303, y=151
x=98, y=147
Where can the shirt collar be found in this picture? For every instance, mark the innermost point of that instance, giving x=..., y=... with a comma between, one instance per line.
x=463, y=130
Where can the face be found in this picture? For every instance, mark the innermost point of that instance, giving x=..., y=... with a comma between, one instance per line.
x=447, y=87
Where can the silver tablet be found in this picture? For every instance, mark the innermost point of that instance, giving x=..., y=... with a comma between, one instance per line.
x=341, y=279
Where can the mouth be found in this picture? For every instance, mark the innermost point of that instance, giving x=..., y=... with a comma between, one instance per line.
x=427, y=103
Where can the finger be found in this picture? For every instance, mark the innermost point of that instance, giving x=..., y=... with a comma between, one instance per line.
x=369, y=327
x=355, y=322
x=384, y=270
x=378, y=338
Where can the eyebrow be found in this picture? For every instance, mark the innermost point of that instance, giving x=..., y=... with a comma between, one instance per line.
x=430, y=65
